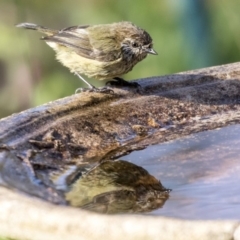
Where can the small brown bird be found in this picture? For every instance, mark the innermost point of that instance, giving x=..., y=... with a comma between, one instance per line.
x=103, y=52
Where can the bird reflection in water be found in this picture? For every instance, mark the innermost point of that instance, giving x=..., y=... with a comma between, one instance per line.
x=114, y=187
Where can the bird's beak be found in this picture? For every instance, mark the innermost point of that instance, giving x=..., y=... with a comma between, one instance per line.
x=151, y=51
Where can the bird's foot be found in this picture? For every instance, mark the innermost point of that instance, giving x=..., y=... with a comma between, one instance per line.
x=118, y=82
x=106, y=90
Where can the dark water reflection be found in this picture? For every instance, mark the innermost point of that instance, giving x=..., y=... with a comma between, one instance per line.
x=111, y=187
x=203, y=170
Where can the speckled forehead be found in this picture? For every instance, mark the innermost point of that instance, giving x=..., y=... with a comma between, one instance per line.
x=143, y=37
x=147, y=38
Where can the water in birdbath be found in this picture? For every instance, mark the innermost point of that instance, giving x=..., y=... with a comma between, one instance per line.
x=203, y=171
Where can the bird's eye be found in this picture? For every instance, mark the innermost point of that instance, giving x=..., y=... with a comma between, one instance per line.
x=134, y=44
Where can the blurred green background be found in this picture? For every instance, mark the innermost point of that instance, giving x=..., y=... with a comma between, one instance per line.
x=187, y=34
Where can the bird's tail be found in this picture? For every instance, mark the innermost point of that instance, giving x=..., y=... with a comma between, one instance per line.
x=39, y=28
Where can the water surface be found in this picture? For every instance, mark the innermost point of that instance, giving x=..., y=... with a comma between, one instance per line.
x=203, y=171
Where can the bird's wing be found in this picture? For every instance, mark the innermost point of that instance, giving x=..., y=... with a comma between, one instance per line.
x=81, y=41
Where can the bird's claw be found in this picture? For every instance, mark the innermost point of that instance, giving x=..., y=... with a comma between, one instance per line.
x=118, y=82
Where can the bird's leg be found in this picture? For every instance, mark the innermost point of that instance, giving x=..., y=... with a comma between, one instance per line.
x=117, y=81
x=81, y=89
x=92, y=88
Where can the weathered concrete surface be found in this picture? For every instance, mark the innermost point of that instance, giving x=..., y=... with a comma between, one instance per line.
x=93, y=127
